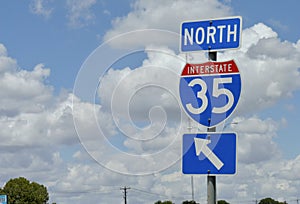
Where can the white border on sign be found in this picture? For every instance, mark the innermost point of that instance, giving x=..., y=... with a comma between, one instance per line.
x=212, y=19
x=223, y=174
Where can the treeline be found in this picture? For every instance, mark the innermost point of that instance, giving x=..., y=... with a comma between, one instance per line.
x=262, y=201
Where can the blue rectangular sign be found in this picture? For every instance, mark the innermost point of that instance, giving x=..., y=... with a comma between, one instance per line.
x=209, y=153
x=3, y=199
x=212, y=35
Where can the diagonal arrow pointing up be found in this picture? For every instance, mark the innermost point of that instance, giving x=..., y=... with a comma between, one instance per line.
x=201, y=146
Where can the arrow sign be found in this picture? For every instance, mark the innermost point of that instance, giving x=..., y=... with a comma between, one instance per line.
x=201, y=146
x=213, y=153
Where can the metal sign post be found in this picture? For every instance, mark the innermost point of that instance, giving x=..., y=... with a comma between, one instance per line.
x=211, y=180
x=209, y=93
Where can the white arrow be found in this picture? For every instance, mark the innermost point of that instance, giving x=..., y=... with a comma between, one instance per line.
x=201, y=146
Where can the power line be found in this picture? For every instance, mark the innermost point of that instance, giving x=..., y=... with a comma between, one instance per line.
x=157, y=194
x=103, y=190
x=148, y=192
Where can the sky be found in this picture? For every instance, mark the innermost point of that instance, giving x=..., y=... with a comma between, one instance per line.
x=90, y=99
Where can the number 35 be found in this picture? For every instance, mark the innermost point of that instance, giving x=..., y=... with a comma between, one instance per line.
x=216, y=92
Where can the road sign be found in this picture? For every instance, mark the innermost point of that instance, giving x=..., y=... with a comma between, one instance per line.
x=210, y=91
x=214, y=34
x=3, y=199
x=213, y=153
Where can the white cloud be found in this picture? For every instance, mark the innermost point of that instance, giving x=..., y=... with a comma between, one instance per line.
x=7, y=64
x=166, y=15
x=268, y=73
x=39, y=139
x=79, y=12
x=38, y=7
x=21, y=90
x=150, y=99
x=79, y=178
x=3, y=51
x=290, y=168
x=36, y=127
x=256, y=140
x=264, y=83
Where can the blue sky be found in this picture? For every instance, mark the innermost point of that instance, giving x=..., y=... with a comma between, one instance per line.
x=64, y=47
x=46, y=44
x=280, y=15
x=53, y=40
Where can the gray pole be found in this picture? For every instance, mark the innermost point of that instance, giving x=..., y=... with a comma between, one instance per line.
x=192, y=178
x=211, y=180
x=125, y=193
x=192, y=181
x=190, y=130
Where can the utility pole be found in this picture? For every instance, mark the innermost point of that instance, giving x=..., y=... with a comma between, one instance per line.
x=125, y=193
x=211, y=180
